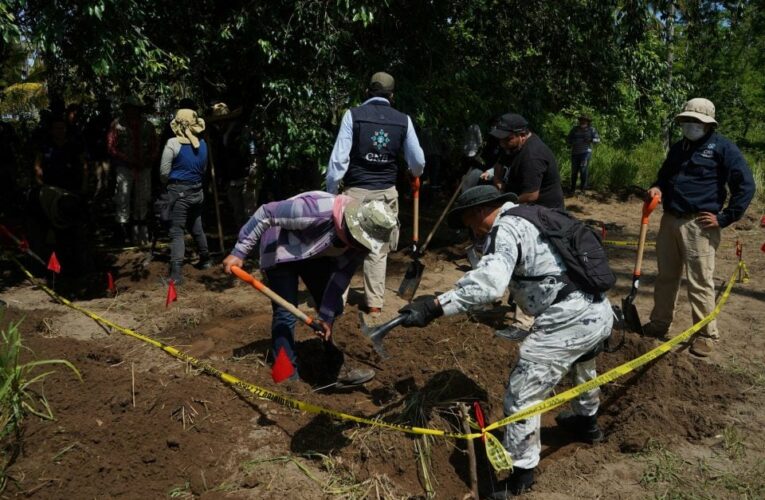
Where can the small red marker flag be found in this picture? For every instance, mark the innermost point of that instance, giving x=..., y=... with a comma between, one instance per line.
x=479, y=417
x=763, y=247
x=110, y=283
x=172, y=296
x=53, y=264
x=603, y=230
x=282, y=369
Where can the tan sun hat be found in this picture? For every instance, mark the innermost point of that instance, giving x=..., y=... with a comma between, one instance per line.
x=700, y=109
x=370, y=223
x=187, y=126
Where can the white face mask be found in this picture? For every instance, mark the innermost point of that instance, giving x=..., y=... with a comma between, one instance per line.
x=693, y=131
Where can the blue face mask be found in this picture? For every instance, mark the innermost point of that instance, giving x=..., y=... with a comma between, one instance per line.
x=693, y=131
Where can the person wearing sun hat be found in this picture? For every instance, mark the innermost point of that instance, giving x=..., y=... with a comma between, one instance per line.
x=569, y=326
x=320, y=238
x=693, y=183
x=182, y=168
x=364, y=159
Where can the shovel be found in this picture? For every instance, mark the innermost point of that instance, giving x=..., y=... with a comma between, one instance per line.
x=413, y=275
x=259, y=286
x=631, y=317
x=377, y=334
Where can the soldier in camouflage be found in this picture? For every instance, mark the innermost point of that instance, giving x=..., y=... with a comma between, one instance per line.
x=568, y=331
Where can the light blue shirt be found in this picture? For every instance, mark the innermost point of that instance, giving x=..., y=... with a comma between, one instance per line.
x=341, y=153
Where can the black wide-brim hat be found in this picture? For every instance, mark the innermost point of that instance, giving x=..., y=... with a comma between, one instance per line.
x=475, y=197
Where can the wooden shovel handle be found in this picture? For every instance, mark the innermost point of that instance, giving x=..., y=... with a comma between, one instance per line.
x=416, y=197
x=441, y=217
x=259, y=286
x=648, y=207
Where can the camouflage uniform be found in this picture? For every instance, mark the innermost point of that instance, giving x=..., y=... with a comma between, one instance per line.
x=563, y=330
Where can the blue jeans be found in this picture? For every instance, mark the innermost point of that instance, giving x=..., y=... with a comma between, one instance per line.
x=579, y=164
x=283, y=279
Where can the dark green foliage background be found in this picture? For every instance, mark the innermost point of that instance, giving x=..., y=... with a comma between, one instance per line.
x=297, y=65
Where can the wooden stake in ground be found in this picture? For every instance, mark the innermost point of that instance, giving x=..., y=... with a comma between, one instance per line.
x=470, y=449
x=215, y=194
x=132, y=377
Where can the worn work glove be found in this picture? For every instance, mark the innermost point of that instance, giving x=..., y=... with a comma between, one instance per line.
x=421, y=313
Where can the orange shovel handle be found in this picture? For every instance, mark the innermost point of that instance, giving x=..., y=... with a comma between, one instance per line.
x=259, y=286
x=416, y=197
x=649, y=207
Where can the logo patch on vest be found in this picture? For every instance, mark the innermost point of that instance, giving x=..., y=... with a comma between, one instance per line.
x=380, y=139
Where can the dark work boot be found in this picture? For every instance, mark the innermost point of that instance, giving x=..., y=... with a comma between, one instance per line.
x=584, y=427
x=205, y=262
x=519, y=482
x=176, y=272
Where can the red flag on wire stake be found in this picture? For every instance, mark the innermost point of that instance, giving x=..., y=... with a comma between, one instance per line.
x=53, y=264
x=282, y=369
x=172, y=295
x=603, y=231
x=763, y=247
x=479, y=418
x=110, y=283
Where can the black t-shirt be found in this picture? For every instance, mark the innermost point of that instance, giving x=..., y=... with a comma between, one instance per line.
x=534, y=168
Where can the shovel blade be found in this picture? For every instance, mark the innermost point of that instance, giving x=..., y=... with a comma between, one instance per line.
x=631, y=317
x=411, y=281
x=473, y=256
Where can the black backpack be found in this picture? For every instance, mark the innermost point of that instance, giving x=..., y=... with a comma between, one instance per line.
x=579, y=246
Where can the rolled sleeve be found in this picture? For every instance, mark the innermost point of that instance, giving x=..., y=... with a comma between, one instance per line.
x=341, y=153
x=413, y=153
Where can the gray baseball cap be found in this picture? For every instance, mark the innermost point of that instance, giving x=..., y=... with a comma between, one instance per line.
x=382, y=81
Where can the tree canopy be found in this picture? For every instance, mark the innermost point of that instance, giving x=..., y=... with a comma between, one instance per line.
x=297, y=65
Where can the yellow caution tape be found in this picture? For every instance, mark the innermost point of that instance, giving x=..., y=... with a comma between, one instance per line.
x=243, y=385
x=743, y=272
x=501, y=460
x=619, y=371
x=616, y=243
x=498, y=456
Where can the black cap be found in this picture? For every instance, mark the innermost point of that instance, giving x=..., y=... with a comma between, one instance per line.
x=475, y=197
x=507, y=123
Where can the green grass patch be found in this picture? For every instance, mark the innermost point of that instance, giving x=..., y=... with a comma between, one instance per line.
x=21, y=393
x=669, y=475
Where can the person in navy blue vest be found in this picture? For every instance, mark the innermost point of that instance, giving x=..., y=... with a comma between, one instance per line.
x=182, y=168
x=365, y=160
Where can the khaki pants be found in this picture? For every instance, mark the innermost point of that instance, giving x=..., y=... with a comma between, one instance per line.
x=683, y=242
x=375, y=263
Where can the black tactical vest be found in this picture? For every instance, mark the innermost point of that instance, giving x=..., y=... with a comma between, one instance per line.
x=379, y=132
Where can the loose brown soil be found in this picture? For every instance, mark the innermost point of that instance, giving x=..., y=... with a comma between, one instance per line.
x=183, y=434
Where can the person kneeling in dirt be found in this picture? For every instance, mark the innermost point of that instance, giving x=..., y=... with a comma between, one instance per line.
x=569, y=325
x=321, y=238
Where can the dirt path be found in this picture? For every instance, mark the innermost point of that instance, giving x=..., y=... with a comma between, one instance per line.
x=682, y=426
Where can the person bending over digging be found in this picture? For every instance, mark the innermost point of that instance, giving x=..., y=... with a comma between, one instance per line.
x=569, y=325
x=321, y=238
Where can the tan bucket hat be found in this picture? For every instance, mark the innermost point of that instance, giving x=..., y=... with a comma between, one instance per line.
x=370, y=223
x=187, y=126
x=700, y=109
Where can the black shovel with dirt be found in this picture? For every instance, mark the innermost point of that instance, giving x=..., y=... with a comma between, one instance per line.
x=631, y=317
x=413, y=274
